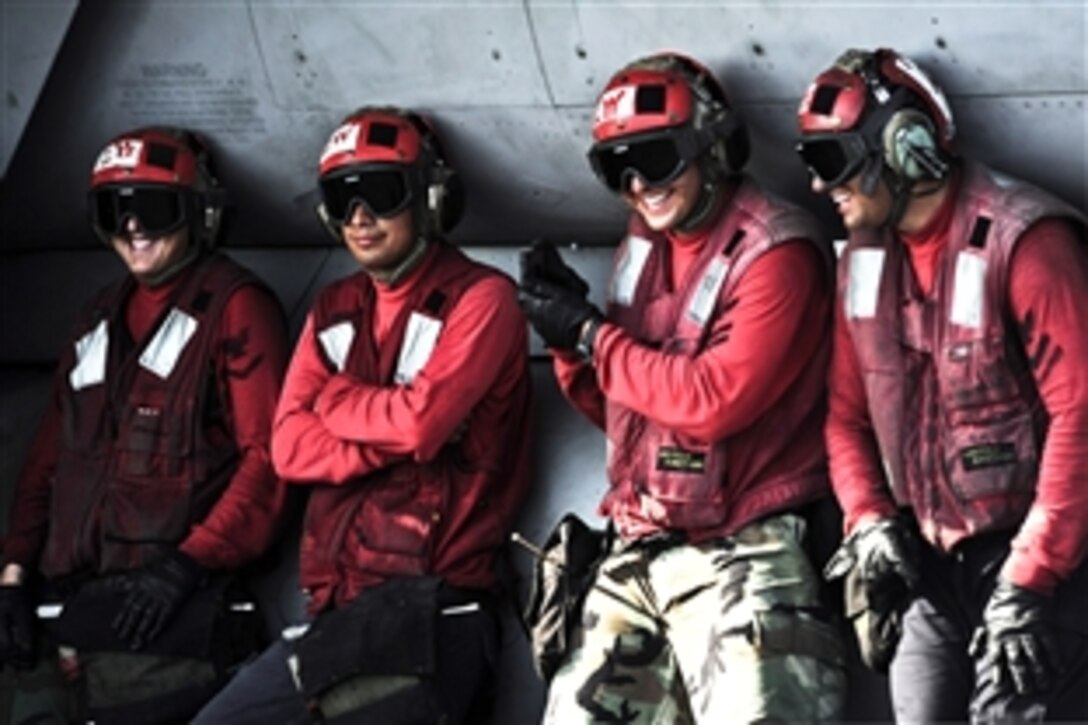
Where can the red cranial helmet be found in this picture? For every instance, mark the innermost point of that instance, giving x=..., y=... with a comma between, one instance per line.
x=159, y=176
x=388, y=160
x=875, y=112
x=658, y=115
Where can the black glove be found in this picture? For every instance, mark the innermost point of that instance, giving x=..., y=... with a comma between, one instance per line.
x=542, y=263
x=557, y=314
x=16, y=626
x=153, y=596
x=879, y=561
x=1016, y=641
x=887, y=555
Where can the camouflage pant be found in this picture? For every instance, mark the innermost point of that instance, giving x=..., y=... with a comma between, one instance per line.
x=717, y=632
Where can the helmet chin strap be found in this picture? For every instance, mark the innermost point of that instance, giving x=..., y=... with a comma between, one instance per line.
x=705, y=205
x=192, y=251
x=411, y=260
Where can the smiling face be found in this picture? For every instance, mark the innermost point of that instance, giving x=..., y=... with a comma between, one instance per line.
x=857, y=210
x=147, y=257
x=379, y=245
x=664, y=207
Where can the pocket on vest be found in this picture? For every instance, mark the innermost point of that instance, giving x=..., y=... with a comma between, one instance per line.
x=142, y=513
x=684, y=483
x=997, y=459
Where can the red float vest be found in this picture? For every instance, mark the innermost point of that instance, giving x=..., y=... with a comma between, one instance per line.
x=951, y=396
x=448, y=516
x=144, y=451
x=662, y=479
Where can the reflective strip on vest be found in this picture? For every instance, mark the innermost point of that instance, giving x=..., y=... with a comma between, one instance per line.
x=969, y=291
x=419, y=339
x=629, y=270
x=162, y=353
x=90, y=367
x=863, y=285
x=705, y=296
x=337, y=340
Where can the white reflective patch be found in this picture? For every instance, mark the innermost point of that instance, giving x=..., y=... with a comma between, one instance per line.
x=90, y=367
x=123, y=154
x=419, y=340
x=337, y=340
x=704, y=298
x=162, y=353
x=49, y=611
x=863, y=285
x=968, y=289
x=629, y=270
x=342, y=139
x=616, y=105
x=295, y=631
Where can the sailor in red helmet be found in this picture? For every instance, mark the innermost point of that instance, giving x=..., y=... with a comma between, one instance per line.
x=406, y=414
x=958, y=426
x=706, y=373
x=150, y=479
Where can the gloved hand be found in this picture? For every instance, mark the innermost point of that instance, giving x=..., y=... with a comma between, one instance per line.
x=887, y=555
x=1016, y=641
x=879, y=561
x=16, y=626
x=542, y=263
x=153, y=595
x=557, y=314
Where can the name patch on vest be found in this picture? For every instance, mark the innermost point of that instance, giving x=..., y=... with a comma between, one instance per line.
x=706, y=295
x=629, y=270
x=162, y=353
x=90, y=367
x=968, y=289
x=988, y=455
x=419, y=340
x=677, y=460
x=336, y=342
x=863, y=284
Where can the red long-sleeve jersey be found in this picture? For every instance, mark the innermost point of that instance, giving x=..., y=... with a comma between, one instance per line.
x=332, y=427
x=758, y=347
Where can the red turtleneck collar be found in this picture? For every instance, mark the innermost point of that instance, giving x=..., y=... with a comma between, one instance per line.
x=926, y=246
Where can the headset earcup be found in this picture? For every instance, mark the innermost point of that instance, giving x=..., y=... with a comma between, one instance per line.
x=450, y=195
x=910, y=146
x=737, y=149
x=213, y=219
x=332, y=228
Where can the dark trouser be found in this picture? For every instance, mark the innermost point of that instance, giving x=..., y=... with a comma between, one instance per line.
x=264, y=691
x=933, y=679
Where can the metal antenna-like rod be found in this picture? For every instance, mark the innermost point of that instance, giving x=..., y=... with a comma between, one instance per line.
x=539, y=553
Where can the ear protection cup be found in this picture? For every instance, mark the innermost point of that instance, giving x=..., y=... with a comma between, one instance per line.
x=910, y=146
x=446, y=200
x=730, y=152
x=445, y=203
x=209, y=195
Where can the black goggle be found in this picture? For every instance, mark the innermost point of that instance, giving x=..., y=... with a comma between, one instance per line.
x=835, y=158
x=657, y=161
x=383, y=193
x=159, y=210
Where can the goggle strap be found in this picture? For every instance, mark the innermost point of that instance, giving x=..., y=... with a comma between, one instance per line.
x=873, y=126
x=696, y=141
x=872, y=174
